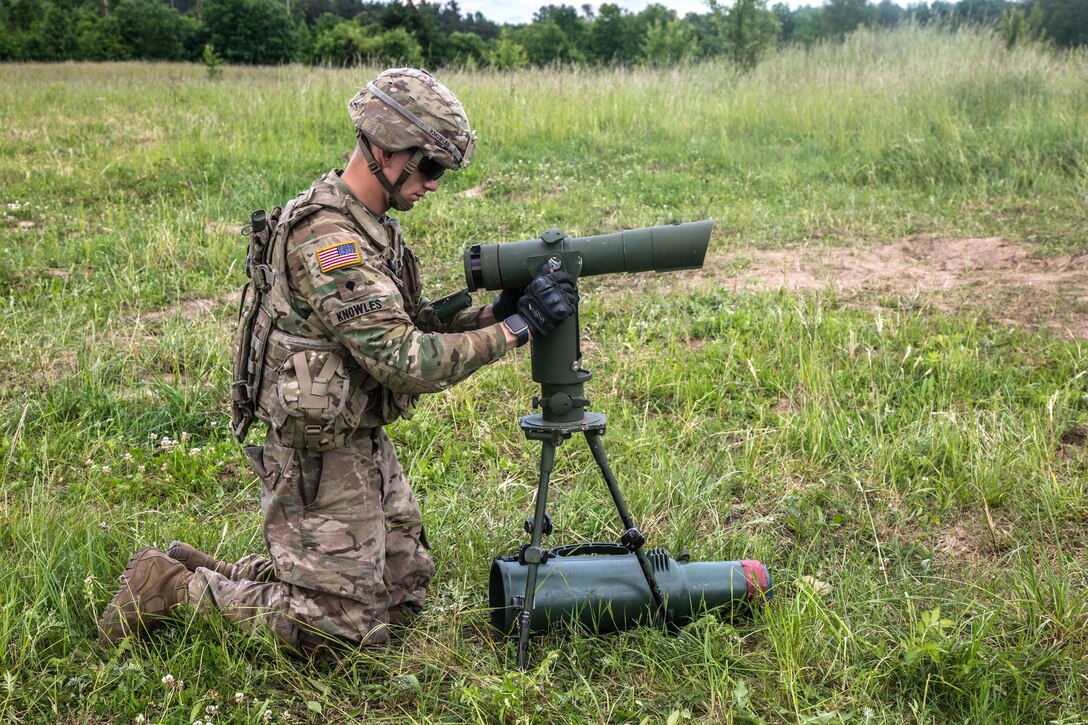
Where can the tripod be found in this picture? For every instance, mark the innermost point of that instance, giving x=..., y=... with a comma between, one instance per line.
x=556, y=362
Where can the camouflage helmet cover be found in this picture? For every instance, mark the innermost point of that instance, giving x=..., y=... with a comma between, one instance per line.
x=406, y=108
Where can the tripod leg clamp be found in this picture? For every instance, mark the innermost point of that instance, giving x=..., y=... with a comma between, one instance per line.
x=545, y=530
x=533, y=555
x=632, y=539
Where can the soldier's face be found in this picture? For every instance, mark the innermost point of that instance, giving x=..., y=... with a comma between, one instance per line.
x=417, y=185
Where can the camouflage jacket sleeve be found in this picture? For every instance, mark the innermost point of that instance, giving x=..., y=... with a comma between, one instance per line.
x=364, y=308
x=465, y=320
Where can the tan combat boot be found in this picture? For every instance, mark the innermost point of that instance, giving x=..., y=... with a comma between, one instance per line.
x=193, y=558
x=152, y=585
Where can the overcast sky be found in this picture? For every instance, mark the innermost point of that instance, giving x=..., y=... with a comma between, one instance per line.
x=521, y=11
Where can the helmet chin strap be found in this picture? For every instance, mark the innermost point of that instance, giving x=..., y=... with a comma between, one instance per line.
x=395, y=197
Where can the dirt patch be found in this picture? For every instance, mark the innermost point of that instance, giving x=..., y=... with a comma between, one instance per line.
x=1007, y=279
x=977, y=540
x=1073, y=443
x=1075, y=436
x=213, y=227
x=475, y=192
x=187, y=310
x=958, y=543
x=191, y=309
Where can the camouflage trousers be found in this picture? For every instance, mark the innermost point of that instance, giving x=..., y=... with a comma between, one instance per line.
x=344, y=533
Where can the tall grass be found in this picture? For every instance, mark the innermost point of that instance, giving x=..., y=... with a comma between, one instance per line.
x=914, y=479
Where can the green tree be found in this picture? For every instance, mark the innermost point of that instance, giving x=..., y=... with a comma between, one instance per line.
x=422, y=22
x=612, y=37
x=149, y=29
x=668, y=43
x=505, y=54
x=257, y=32
x=843, y=17
x=546, y=43
x=889, y=14
x=397, y=47
x=567, y=18
x=347, y=44
x=304, y=50
x=340, y=45
x=97, y=37
x=51, y=36
x=1065, y=21
x=212, y=62
x=467, y=49
x=1017, y=27
x=748, y=28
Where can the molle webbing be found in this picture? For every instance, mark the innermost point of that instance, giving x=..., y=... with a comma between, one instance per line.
x=266, y=296
x=313, y=392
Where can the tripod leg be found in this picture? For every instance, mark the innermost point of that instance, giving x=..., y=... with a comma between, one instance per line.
x=533, y=554
x=595, y=445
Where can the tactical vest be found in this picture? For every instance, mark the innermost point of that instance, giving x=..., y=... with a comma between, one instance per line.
x=309, y=390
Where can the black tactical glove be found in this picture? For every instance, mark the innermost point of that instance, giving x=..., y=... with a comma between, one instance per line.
x=506, y=303
x=548, y=300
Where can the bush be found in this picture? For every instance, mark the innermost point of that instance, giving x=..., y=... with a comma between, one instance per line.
x=467, y=49
x=348, y=44
x=546, y=43
x=505, y=54
x=667, y=43
x=258, y=32
x=98, y=38
x=149, y=29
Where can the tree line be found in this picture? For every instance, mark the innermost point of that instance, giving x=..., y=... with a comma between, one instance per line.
x=347, y=32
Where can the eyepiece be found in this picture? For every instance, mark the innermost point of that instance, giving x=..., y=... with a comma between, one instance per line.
x=474, y=271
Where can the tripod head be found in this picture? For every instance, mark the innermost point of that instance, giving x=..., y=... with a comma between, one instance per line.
x=557, y=358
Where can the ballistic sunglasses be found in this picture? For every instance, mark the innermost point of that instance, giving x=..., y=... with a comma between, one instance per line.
x=430, y=168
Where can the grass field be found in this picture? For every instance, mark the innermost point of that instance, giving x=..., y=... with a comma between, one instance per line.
x=914, y=476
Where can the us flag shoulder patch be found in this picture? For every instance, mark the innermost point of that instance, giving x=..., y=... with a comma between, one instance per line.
x=338, y=255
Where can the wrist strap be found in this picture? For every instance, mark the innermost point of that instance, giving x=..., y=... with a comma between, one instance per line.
x=518, y=327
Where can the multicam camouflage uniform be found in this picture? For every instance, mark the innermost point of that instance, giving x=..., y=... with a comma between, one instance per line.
x=354, y=345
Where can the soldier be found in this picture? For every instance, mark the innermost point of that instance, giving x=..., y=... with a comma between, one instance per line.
x=341, y=343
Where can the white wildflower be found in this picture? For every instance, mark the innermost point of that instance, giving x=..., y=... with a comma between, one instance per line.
x=211, y=710
x=154, y=436
x=106, y=469
x=239, y=697
x=163, y=466
x=194, y=452
x=128, y=458
x=185, y=436
x=168, y=680
x=141, y=468
x=88, y=463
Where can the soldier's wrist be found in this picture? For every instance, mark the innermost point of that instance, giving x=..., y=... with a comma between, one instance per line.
x=516, y=326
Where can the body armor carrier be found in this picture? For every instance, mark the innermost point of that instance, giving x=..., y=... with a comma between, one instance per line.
x=310, y=391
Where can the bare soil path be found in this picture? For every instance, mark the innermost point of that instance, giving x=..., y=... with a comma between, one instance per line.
x=1005, y=279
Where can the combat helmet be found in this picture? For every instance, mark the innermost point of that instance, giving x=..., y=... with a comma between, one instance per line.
x=406, y=108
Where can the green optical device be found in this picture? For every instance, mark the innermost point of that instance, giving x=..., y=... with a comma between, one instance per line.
x=584, y=582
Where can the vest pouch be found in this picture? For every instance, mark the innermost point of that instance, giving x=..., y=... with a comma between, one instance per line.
x=311, y=403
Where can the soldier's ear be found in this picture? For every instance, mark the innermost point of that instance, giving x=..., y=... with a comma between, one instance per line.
x=383, y=157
